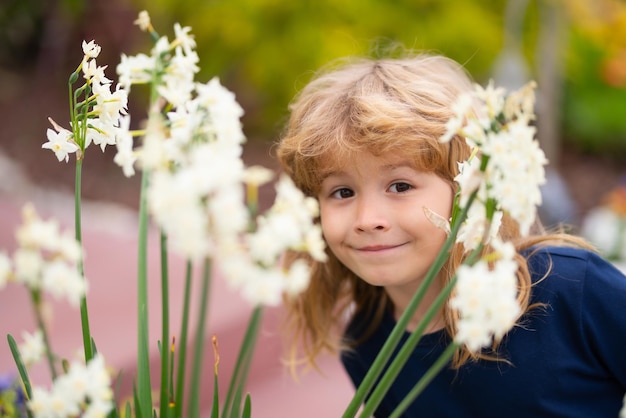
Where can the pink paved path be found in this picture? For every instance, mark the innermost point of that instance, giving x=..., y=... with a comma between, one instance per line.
x=109, y=236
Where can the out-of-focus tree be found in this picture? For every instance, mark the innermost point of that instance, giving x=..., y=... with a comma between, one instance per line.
x=266, y=50
x=595, y=90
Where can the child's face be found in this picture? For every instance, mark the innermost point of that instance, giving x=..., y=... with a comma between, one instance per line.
x=372, y=214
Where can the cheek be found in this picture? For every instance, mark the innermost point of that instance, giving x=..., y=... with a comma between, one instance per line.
x=330, y=221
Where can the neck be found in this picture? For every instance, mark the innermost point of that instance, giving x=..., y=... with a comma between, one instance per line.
x=401, y=297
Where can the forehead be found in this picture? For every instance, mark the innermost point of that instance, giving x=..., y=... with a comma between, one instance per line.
x=334, y=164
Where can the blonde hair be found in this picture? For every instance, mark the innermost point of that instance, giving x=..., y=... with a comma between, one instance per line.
x=378, y=106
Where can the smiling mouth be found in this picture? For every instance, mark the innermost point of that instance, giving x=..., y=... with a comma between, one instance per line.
x=378, y=248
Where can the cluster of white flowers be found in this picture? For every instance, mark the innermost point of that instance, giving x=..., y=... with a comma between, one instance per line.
x=85, y=391
x=506, y=170
x=32, y=348
x=498, y=127
x=196, y=191
x=288, y=225
x=97, y=118
x=486, y=298
x=46, y=259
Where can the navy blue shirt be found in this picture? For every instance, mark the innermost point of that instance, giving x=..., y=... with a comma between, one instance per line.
x=567, y=360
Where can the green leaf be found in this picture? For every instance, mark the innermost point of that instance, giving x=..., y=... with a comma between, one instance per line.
x=215, y=409
x=194, y=397
x=242, y=365
x=144, y=388
x=182, y=358
x=247, y=407
x=20, y=365
x=164, y=400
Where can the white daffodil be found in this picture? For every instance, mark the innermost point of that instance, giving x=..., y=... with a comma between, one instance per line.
x=5, y=269
x=496, y=126
x=95, y=74
x=32, y=347
x=486, y=298
x=257, y=175
x=183, y=37
x=135, y=70
x=63, y=281
x=91, y=49
x=61, y=143
x=143, y=21
x=264, y=287
x=297, y=278
x=83, y=391
x=28, y=265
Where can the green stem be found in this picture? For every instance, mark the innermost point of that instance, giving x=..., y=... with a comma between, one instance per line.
x=182, y=357
x=144, y=388
x=242, y=365
x=84, y=313
x=165, y=330
x=396, y=334
x=425, y=380
x=405, y=352
x=36, y=299
x=194, y=399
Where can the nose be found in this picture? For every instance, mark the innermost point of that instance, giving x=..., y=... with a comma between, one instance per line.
x=371, y=215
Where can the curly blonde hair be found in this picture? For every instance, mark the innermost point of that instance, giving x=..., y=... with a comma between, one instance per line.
x=378, y=106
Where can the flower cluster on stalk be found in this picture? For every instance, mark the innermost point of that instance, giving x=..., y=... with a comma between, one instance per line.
x=192, y=151
x=45, y=260
x=85, y=391
x=503, y=175
x=96, y=110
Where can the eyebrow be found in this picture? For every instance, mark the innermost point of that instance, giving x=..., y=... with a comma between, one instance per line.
x=387, y=167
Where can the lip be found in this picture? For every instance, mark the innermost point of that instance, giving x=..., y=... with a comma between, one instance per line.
x=378, y=248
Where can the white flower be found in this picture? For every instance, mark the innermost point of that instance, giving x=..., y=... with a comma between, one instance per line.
x=36, y=233
x=28, y=266
x=69, y=248
x=474, y=232
x=257, y=175
x=622, y=412
x=83, y=391
x=183, y=38
x=135, y=70
x=94, y=73
x=32, y=348
x=264, y=287
x=91, y=49
x=486, y=299
x=298, y=278
x=501, y=136
x=314, y=243
x=101, y=132
x=63, y=281
x=460, y=108
x=126, y=156
x=493, y=98
x=44, y=404
x=60, y=143
x=143, y=21
x=469, y=179
x=110, y=106
x=5, y=269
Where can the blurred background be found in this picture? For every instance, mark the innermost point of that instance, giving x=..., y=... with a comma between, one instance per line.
x=266, y=50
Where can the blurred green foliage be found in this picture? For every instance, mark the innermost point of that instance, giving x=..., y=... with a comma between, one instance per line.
x=266, y=50
x=594, y=106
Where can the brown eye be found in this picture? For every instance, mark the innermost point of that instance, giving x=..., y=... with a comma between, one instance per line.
x=342, y=193
x=400, y=187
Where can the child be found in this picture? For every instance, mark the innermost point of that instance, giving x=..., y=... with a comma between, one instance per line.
x=363, y=139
